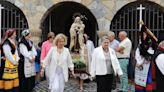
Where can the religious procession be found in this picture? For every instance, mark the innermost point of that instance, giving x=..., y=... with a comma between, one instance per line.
x=71, y=55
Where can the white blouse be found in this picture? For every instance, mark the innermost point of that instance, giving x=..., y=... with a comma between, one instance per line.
x=9, y=55
x=52, y=61
x=29, y=66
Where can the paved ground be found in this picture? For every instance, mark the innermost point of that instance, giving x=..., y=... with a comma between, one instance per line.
x=71, y=86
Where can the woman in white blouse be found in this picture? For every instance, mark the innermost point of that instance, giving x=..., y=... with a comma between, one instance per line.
x=60, y=60
x=104, y=64
x=27, y=62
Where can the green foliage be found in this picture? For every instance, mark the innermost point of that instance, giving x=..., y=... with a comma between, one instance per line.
x=78, y=64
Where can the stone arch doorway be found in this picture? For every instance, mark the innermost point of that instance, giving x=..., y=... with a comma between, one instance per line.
x=59, y=19
x=127, y=18
x=12, y=17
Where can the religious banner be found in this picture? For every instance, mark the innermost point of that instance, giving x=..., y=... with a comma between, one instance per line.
x=141, y=74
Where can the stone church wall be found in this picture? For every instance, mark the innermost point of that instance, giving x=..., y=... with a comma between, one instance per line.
x=103, y=10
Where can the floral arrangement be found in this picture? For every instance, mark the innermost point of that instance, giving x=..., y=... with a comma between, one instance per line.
x=79, y=65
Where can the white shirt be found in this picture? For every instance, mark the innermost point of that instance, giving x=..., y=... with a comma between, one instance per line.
x=64, y=61
x=160, y=62
x=127, y=45
x=90, y=46
x=9, y=55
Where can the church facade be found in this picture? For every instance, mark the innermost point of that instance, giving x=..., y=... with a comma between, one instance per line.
x=40, y=15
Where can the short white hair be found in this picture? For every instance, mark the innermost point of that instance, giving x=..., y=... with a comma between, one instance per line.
x=124, y=33
x=111, y=33
x=104, y=38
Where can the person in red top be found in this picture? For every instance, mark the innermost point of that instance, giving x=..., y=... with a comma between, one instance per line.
x=45, y=48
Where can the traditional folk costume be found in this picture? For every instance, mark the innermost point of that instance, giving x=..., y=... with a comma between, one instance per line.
x=26, y=66
x=58, y=68
x=9, y=81
x=143, y=56
x=159, y=62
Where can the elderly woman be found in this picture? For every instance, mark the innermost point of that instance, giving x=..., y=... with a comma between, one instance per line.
x=104, y=64
x=27, y=62
x=60, y=61
x=9, y=81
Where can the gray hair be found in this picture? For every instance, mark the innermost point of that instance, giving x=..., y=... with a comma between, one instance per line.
x=124, y=33
x=111, y=33
x=104, y=38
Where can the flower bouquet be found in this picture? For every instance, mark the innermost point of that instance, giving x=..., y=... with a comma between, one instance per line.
x=79, y=65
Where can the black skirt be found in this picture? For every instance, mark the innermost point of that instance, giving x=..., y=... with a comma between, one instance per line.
x=25, y=84
x=104, y=82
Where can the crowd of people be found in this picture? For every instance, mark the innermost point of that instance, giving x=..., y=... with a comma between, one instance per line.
x=22, y=64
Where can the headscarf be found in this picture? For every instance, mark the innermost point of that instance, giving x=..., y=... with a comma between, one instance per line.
x=25, y=32
x=8, y=34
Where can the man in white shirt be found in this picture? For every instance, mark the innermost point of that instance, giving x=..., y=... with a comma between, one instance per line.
x=159, y=61
x=123, y=54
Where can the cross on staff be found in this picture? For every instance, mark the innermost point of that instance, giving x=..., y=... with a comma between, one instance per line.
x=0, y=19
x=0, y=25
x=140, y=20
